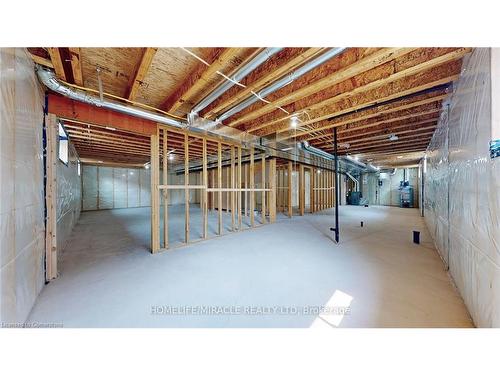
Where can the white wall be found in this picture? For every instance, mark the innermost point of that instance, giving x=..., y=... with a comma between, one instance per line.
x=465, y=226
x=22, y=230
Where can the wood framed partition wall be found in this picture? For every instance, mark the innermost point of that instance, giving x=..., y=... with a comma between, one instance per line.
x=320, y=188
x=229, y=181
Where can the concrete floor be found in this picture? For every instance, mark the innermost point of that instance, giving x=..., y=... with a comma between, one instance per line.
x=277, y=275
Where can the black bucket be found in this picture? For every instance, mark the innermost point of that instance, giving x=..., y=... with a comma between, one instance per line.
x=416, y=236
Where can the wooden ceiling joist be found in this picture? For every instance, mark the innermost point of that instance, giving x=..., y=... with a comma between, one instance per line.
x=350, y=70
x=42, y=61
x=265, y=80
x=354, y=120
x=360, y=129
x=414, y=132
x=57, y=62
x=373, y=100
x=354, y=145
x=439, y=67
x=399, y=146
x=200, y=77
x=140, y=72
x=76, y=65
x=368, y=94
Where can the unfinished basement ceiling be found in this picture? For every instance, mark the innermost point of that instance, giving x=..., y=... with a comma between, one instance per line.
x=369, y=94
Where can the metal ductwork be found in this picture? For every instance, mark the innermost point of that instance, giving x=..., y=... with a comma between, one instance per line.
x=355, y=180
x=238, y=76
x=282, y=82
x=316, y=151
x=346, y=160
x=48, y=78
x=368, y=166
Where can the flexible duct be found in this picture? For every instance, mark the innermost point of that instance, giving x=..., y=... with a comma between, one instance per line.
x=238, y=76
x=282, y=82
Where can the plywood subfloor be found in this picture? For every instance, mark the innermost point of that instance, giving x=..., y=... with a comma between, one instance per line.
x=108, y=279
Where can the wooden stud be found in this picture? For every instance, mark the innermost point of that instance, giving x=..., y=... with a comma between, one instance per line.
x=187, y=192
x=227, y=183
x=312, y=192
x=280, y=188
x=155, y=206
x=263, y=187
x=272, y=195
x=325, y=186
x=219, y=185
x=290, y=203
x=212, y=195
x=239, y=186
x=51, y=199
x=252, y=186
x=165, y=191
x=246, y=186
x=302, y=191
x=204, y=193
x=232, y=192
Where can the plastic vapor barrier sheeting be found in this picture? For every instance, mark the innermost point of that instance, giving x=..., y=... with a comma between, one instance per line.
x=68, y=197
x=107, y=187
x=461, y=199
x=89, y=187
x=22, y=229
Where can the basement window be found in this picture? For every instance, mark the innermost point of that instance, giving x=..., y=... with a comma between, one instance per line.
x=63, y=145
